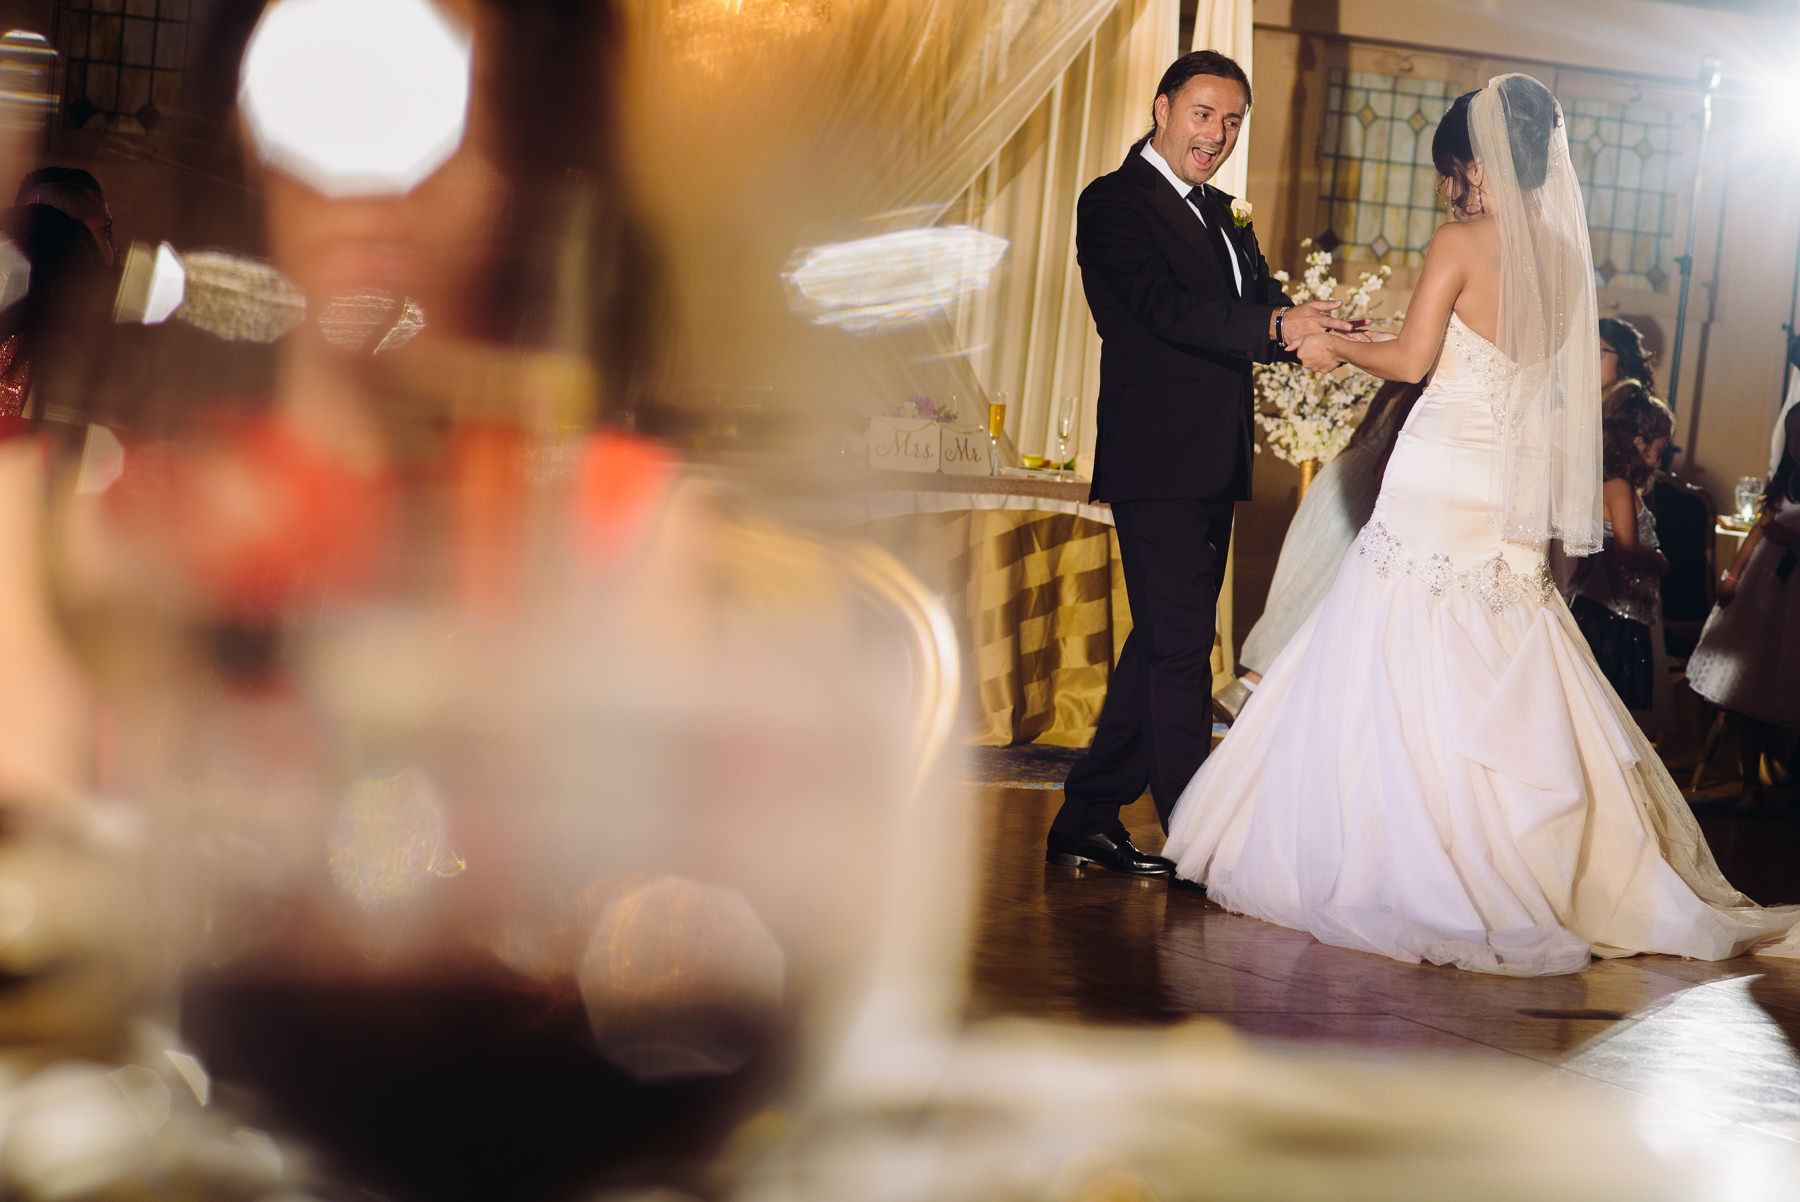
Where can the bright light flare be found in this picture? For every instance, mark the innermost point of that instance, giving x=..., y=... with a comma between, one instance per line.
x=892, y=280
x=27, y=74
x=391, y=838
x=681, y=979
x=168, y=286
x=15, y=274
x=356, y=97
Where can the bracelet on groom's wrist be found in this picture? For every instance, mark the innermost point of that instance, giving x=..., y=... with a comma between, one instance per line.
x=1279, y=314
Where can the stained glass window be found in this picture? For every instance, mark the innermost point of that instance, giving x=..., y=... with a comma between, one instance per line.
x=1628, y=160
x=125, y=59
x=1379, y=203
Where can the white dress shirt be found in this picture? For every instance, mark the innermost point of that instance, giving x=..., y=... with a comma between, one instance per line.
x=1182, y=188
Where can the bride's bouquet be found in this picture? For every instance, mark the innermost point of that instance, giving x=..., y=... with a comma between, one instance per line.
x=1305, y=415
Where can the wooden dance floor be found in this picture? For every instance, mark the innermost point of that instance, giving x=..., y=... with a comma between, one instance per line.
x=1705, y=1050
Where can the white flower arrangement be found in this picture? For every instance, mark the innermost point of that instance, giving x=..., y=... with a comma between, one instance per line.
x=1305, y=415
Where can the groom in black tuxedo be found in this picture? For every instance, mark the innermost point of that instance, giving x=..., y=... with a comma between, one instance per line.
x=1184, y=304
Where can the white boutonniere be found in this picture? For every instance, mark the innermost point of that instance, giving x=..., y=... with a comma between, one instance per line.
x=1240, y=212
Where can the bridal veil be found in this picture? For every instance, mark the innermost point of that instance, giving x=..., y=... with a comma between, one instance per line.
x=1550, y=463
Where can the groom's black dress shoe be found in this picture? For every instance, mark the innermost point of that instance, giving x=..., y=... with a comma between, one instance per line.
x=1113, y=850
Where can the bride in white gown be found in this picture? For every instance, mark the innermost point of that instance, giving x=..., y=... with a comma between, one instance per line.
x=1434, y=768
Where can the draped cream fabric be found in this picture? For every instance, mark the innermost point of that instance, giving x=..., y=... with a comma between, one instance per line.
x=759, y=129
x=1225, y=26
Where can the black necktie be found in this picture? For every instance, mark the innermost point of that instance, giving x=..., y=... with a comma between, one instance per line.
x=1215, y=233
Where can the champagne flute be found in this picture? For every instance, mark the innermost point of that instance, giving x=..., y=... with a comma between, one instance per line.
x=996, y=424
x=1066, y=413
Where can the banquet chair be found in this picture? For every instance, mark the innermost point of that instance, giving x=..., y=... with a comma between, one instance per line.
x=1685, y=516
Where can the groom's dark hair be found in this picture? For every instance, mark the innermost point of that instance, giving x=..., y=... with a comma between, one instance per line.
x=1198, y=62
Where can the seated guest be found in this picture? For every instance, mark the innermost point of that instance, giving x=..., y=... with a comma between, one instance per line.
x=1613, y=595
x=1684, y=530
x=1684, y=515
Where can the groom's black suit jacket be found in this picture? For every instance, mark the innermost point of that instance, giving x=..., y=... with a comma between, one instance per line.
x=1177, y=341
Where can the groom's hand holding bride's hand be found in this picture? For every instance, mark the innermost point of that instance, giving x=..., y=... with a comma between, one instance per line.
x=1312, y=317
x=1319, y=352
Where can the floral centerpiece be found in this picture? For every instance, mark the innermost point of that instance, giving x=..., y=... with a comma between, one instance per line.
x=920, y=405
x=1306, y=418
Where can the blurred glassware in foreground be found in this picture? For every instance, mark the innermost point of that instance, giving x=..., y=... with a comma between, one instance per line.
x=1748, y=495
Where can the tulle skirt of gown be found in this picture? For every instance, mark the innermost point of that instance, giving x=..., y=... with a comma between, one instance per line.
x=1434, y=768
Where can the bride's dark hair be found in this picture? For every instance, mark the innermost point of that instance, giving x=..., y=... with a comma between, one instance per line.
x=1627, y=342
x=1451, y=150
x=1530, y=118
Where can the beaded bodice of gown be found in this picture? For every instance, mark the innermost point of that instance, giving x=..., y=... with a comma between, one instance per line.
x=1437, y=519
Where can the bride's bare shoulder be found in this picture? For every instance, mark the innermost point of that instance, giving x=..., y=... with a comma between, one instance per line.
x=1465, y=248
x=1456, y=238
